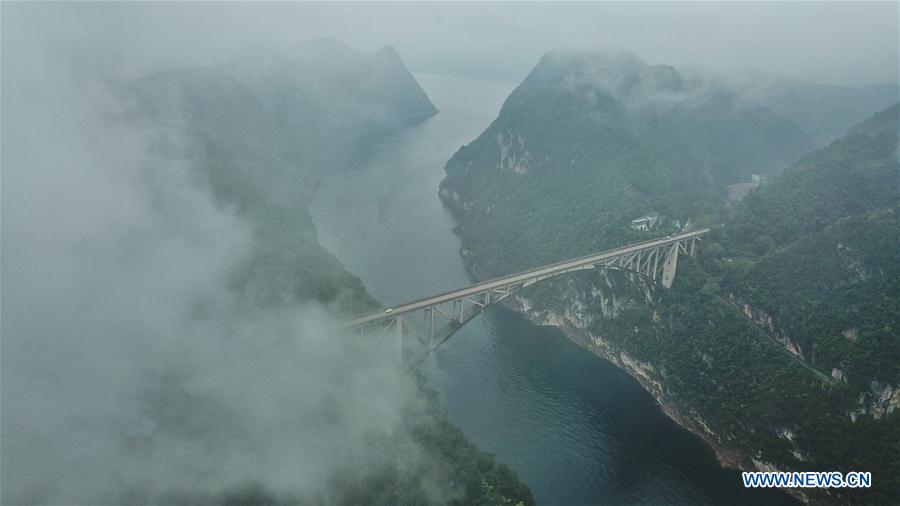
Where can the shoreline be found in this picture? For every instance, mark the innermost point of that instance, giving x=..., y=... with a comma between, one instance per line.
x=680, y=413
x=728, y=458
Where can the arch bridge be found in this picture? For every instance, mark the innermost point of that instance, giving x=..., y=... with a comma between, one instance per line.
x=443, y=314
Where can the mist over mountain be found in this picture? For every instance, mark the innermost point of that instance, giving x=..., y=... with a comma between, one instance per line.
x=327, y=100
x=825, y=111
x=600, y=138
x=778, y=345
x=319, y=107
x=169, y=317
x=263, y=146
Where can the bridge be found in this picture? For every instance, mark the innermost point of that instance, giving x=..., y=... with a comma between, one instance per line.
x=445, y=313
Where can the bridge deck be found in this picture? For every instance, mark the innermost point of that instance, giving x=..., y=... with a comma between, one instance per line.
x=523, y=276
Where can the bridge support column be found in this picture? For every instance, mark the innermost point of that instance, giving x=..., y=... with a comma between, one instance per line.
x=429, y=327
x=398, y=340
x=668, y=274
x=656, y=255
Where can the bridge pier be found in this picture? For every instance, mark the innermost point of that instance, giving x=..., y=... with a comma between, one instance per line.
x=669, y=267
x=655, y=264
x=429, y=327
x=398, y=340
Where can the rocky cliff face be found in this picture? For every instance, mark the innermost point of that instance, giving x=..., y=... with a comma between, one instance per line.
x=767, y=322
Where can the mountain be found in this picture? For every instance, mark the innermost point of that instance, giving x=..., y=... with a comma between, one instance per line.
x=327, y=100
x=601, y=138
x=779, y=344
x=226, y=134
x=260, y=137
x=818, y=251
x=264, y=141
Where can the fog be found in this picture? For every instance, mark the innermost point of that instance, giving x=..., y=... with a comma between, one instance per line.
x=838, y=42
x=130, y=370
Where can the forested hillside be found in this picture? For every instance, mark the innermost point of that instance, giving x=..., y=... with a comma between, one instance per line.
x=261, y=146
x=814, y=258
x=779, y=344
x=601, y=138
x=818, y=251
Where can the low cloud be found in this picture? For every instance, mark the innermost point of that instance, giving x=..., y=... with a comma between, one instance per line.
x=130, y=371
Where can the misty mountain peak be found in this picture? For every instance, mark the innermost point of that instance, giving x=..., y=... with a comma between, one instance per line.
x=598, y=64
x=663, y=78
x=388, y=52
x=614, y=73
x=388, y=60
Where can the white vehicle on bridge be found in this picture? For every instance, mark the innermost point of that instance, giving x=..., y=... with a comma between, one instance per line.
x=388, y=310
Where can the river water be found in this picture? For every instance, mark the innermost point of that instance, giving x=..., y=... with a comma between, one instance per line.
x=576, y=429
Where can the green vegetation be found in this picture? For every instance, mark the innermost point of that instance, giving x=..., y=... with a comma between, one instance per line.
x=598, y=154
x=812, y=255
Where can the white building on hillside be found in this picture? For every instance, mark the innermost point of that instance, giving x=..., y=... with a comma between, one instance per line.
x=645, y=222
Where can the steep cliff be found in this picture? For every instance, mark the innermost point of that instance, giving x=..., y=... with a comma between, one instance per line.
x=759, y=345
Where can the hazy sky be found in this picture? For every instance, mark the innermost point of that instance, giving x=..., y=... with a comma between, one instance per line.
x=852, y=43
